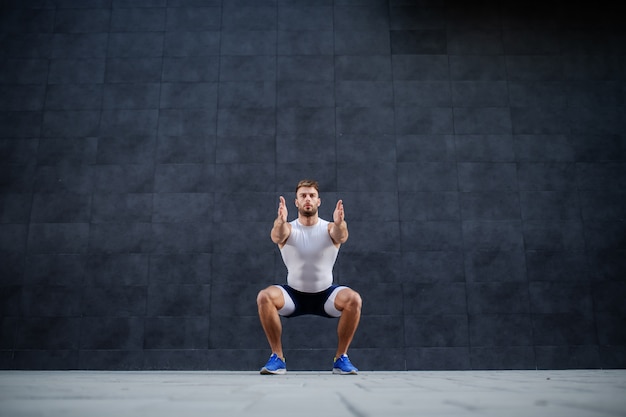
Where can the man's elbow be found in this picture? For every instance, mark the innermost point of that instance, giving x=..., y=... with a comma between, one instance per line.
x=341, y=238
x=278, y=239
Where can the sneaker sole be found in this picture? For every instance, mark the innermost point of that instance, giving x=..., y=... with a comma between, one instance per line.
x=338, y=371
x=266, y=371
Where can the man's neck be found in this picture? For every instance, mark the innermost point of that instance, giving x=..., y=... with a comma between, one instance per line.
x=308, y=220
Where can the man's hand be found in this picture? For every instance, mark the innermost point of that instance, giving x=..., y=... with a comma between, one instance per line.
x=282, y=229
x=338, y=215
x=338, y=229
x=282, y=210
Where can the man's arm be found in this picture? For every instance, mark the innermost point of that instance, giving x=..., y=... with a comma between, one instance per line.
x=282, y=229
x=338, y=229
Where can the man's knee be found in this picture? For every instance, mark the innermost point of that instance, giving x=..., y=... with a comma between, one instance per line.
x=270, y=296
x=356, y=300
x=351, y=300
x=263, y=298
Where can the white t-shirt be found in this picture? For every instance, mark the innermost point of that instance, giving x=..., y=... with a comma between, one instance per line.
x=309, y=255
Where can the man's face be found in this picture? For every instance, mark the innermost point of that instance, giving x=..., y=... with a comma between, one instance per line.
x=307, y=201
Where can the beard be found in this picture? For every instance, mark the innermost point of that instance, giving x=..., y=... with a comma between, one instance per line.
x=308, y=212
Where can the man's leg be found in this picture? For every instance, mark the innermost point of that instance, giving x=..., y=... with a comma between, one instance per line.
x=349, y=303
x=269, y=301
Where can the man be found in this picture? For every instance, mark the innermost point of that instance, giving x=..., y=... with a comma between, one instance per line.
x=309, y=246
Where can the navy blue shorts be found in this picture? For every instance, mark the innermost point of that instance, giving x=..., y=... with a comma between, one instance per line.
x=310, y=303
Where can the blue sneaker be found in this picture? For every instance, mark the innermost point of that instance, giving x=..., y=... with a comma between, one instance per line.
x=274, y=366
x=343, y=366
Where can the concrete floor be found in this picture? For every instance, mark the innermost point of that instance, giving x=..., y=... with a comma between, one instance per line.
x=579, y=393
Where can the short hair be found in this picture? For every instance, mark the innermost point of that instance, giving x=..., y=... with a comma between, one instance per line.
x=308, y=183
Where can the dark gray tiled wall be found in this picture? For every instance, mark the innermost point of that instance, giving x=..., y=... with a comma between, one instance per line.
x=480, y=151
